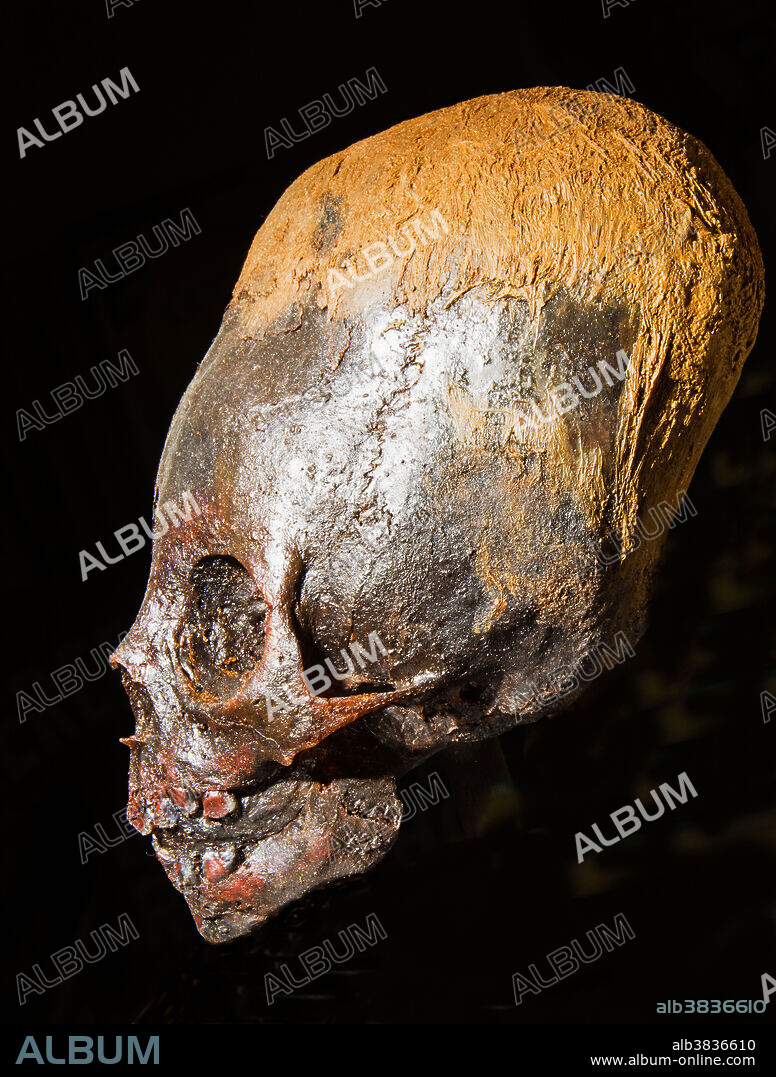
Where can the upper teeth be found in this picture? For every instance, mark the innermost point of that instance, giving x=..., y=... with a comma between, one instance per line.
x=216, y=804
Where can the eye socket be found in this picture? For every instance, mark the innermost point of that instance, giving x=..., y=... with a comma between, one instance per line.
x=222, y=634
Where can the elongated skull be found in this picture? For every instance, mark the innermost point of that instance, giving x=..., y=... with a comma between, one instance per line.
x=460, y=355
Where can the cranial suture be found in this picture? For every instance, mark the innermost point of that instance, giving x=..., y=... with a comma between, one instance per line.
x=428, y=456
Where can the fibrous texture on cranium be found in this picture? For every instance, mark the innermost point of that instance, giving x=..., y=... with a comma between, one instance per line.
x=546, y=191
x=460, y=354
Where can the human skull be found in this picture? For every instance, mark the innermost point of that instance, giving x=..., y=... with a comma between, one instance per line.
x=406, y=452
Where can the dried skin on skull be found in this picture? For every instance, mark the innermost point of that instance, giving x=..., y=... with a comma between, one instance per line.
x=405, y=472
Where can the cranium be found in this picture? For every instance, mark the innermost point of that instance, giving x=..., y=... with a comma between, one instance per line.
x=405, y=462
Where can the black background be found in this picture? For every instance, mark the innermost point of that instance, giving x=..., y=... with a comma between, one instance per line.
x=467, y=898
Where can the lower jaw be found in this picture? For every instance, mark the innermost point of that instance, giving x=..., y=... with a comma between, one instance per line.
x=343, y=828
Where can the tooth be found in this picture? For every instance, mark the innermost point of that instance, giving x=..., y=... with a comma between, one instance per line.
x=216, y=863
x=145, y=817
x=228, y=854
x=216, y=804
x=184, y=798
x=167, y=815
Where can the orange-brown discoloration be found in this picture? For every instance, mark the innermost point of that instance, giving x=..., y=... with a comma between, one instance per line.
x=613, y=203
